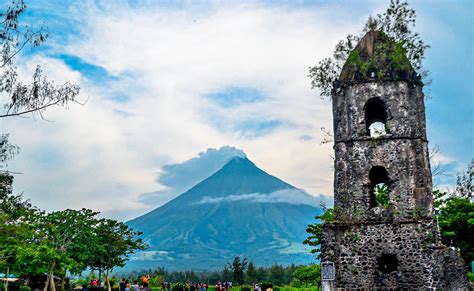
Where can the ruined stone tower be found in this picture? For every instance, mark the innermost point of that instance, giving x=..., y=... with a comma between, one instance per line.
x=380, y=241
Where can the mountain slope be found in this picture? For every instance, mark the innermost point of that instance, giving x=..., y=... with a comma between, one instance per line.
x=239, y=210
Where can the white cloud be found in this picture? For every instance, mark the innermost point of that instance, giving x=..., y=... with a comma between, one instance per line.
x=104, y=154
x=291, y=196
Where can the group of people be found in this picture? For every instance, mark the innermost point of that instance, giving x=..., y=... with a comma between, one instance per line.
x=223, y=286
x=126, y=285
x=198, y=286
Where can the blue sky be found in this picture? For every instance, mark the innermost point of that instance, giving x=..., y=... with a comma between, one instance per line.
x=167, y=80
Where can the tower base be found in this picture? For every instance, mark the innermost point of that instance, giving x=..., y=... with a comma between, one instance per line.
x=403, y=255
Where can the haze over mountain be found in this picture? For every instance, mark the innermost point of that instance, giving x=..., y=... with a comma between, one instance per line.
x=238, y=210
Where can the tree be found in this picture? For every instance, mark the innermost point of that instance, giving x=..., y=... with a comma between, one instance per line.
x=456, y=223
x=15, y=231
x=315, y=229
x=277, y=275
x=455, y=215
x=262, y=274
x=113, y=242
x=251, y=274
x=23, y=98
x=238, y=269
x=307, y=276
x=59, y=243
x=226, y=273
x=395, y=23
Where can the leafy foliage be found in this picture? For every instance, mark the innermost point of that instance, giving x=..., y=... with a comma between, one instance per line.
x=315, y=229
x=35, y=242
x=395, y=23
x=456, y=222
x=307, y=276
x=381, y=195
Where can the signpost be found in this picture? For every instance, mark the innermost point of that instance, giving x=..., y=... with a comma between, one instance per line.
x=328, y=274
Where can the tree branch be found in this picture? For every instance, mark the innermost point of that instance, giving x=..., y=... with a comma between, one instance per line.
x=30, y=110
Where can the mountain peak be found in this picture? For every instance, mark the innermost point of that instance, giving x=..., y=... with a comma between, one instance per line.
x=240, y=166
x=238, y=209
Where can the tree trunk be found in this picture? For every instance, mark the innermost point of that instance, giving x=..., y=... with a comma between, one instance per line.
x=63, y=281
x=109, y=288
x=100, y=278
x=52, y=286
x=46, y=284
x=6, y=281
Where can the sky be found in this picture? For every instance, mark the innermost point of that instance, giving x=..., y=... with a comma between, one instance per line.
x=173, y=89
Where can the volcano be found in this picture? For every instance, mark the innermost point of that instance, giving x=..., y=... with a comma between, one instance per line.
x=238, y=210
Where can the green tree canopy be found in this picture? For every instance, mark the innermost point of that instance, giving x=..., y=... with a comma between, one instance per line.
x=307, y=276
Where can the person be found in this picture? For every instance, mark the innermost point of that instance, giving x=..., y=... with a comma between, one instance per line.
x=122, y=285
x=84, y=287
x=127, y=286
x=135, y=286
x=168, y=286
x=146, y=280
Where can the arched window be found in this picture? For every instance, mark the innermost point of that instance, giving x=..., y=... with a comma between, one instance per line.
x=387, y=263
x=375, y=117
x=378, y=176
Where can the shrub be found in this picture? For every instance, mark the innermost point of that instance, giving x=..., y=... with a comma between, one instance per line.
x=177, y=287
x=24, y=288
x=246, y=288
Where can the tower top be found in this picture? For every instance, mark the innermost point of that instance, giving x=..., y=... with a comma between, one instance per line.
x=377, y=57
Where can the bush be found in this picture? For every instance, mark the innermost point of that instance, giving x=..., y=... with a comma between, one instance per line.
x=177, y=287
x=276, y=289
x=246, y=288
x=24, y=288
x=470, y=276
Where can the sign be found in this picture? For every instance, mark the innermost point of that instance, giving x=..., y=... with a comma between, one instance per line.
x=327, y=271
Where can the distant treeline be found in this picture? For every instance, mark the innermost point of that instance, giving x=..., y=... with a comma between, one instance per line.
x=239, y=272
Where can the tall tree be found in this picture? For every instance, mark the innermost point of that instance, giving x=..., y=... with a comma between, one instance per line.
x=15, y=230
x=113, y=243
x=251, y=274
x=59, y=243
x=238, y=267
x=226, y=274
x=277, y=275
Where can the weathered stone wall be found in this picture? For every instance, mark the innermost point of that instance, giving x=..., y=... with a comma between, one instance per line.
x=404, y=104
x=422, y=262
x=407, y=164
x=402, y=151
x=363, y=234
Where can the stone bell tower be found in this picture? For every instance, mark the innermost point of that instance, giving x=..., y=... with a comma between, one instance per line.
x=384, y=234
